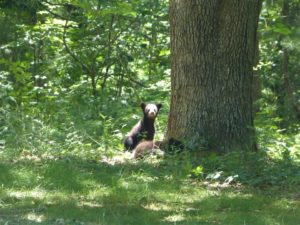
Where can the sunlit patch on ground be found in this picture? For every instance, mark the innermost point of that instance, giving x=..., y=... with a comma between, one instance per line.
x=158, y=207
x=127, y=157
x=36, y=194
x=89, y=204
x=119, y=158
x=35, y=218
x=174, y=218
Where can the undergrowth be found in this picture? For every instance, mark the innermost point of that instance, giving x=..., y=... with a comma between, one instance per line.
x=198, y=187
x=68, y=166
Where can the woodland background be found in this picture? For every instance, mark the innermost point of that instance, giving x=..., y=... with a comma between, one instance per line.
x=72, y=76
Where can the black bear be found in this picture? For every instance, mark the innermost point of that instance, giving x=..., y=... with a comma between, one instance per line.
x=144, y=129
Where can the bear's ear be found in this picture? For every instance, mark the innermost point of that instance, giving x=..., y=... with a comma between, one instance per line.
x=158, y=106
x=143, y=106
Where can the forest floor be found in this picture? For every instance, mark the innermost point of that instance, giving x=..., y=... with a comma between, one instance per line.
x=76, y=190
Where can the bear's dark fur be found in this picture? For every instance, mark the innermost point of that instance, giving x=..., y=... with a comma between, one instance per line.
x=144, y=129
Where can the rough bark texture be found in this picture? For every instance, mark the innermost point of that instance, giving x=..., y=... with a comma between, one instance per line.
x=213, y=47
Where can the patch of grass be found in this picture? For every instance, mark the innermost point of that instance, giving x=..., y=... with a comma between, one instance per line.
x=73, y=190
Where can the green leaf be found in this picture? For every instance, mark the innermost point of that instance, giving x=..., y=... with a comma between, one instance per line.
x=282, y=29
x=121, y=8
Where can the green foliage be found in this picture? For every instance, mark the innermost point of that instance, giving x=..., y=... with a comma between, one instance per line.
x=198, y=171
x=46, y=89
x=278, y=65
x=258, y=170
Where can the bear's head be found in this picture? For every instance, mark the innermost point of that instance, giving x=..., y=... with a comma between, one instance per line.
x=150, y=110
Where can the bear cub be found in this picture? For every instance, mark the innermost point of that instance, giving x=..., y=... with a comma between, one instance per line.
x=144, y=129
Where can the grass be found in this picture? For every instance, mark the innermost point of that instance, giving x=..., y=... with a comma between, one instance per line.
x=73, y=190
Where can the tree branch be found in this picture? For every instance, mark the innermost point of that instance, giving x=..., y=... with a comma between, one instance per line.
x=72, y=54
x=136, y=82
x=109, y=49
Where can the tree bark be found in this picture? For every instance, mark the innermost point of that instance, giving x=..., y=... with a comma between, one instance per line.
x=213, y=46
x=289, y=96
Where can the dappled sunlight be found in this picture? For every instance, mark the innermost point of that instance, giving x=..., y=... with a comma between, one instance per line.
x=126, y=157
x=34, y=194
x=153, y=189
x=86, y=204
x=35, y=218
x=174, y=218
x=119, y=158
x=158, y=206
x=122, y=192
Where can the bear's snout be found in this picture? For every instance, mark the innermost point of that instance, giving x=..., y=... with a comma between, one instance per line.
x=151, y=114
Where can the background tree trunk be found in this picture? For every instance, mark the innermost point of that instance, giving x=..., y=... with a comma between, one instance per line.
x=213, y=47
x=289, y=99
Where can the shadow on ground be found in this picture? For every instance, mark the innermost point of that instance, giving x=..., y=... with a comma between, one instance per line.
x=75, y=191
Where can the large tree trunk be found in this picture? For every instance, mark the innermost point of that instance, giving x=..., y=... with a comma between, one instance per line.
x=213, y=47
